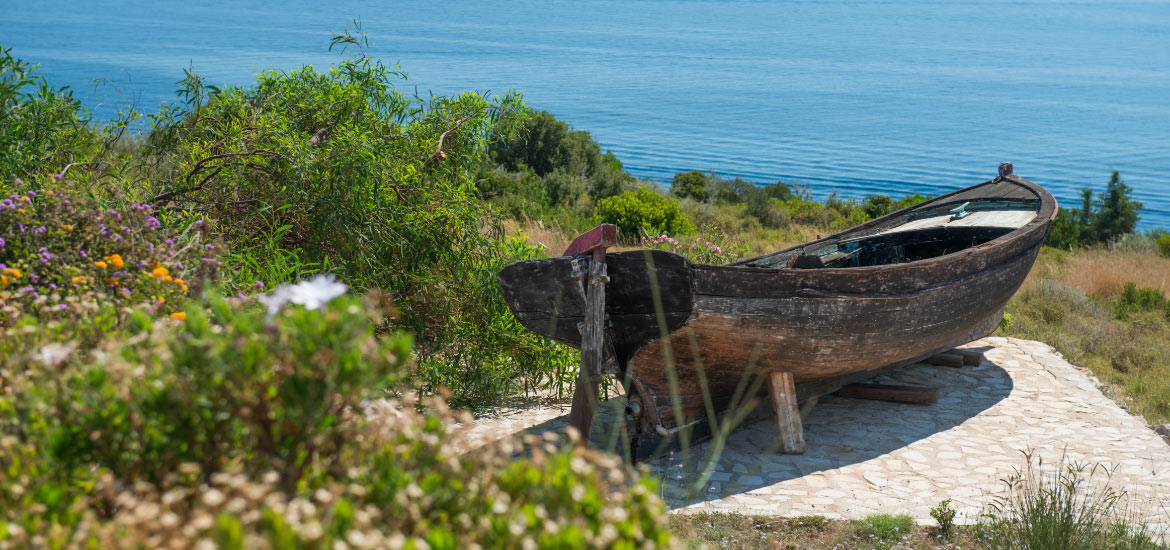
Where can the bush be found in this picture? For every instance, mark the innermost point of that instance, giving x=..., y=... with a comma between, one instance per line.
x=692, y=185
x=1135, y=300
x=337, y=170
x=250, y=427
x=698, y=249
x=41, y=128
x=1164, y=244
x=643, y=212
x=69, y=264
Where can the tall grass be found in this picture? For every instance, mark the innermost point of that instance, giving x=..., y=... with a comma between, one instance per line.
x=1064, y=506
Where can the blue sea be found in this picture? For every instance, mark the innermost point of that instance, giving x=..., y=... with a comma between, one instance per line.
x=857, y=97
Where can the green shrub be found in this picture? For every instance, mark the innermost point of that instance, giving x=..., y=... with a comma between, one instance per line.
x=643, y=212
x=253, y=427
x=692, y=185
x=42, y=129
x=719, y=250
x=884, y=529
x=1136, y=300
x=70, y=266
x=1164, y=244
x=945, y=516
x=338, y=171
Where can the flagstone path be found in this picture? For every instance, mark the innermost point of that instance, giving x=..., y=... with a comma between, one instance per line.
x=868, y=457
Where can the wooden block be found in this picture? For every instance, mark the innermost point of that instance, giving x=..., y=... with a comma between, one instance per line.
x=947, y=359
x=782, y=390
x=890, y=392
x=971, y=358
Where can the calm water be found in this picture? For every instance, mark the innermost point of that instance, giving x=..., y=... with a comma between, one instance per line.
x=858, y=97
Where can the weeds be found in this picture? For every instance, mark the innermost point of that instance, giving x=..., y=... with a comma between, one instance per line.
x=1066, y=506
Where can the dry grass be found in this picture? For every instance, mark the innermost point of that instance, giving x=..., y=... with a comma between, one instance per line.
x=552, y=240
x=1104, y=272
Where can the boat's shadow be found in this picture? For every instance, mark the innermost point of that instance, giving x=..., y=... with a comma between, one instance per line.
x=839, y=432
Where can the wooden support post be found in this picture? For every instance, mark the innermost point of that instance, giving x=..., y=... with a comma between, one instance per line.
x=782, y=391
x=586, y=397
x=890, y=392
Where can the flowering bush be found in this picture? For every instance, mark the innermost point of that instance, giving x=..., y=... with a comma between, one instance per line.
x=249, y=427
x=644, y=212
x=698, y=249
x=59, y=245
x=70, y=267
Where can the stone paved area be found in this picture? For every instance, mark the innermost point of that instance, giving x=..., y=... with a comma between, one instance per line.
x=869, y=457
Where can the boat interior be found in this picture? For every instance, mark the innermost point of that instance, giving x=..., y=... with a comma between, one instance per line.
x=918, y=234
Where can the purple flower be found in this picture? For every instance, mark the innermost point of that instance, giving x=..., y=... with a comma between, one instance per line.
x=2, y=243
x=260, y=285
x=169, y=242
x=153, y=223
x=57, y=176
x=83, y=254
x=198, y=223
x=125, y=290
x=241, y=296
x=32, y=193
x=177, y=265
x=20, y=226
x=209, y=246
x=53, y=286
x=40, y=230
x=62, y=307
x=116, y=237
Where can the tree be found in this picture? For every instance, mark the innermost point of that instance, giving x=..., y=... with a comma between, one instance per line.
x=692, y=185
x=1117, y=212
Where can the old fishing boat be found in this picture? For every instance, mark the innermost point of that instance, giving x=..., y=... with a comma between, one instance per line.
x=693, y=341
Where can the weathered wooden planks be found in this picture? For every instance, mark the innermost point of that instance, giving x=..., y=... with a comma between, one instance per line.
x=585, y=398
x=890, y=392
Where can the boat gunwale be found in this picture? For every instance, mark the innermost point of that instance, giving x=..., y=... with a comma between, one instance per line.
x=1045, y=213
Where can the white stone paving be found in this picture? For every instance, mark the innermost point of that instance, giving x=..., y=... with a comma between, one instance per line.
x=868, y=457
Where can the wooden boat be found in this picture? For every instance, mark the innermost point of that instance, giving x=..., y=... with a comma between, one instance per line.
x=692, y=341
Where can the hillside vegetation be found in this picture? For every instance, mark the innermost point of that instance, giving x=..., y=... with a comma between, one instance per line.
x=218, y=319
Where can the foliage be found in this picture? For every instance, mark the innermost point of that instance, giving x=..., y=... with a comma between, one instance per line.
x=1110, y=215
x=71, y=266
x=250, y=427
x=549, y=147
x=40, y=126
x=643, y=212
x=698, y=249
x=945, y=516
x=884, y=529
x=337, y=170
x=1136, y=300
x=1069, y=507
x=690, y=185
x=1164, y=244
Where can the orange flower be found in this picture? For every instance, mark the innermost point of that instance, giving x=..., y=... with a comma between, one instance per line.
x=182, y=285
x=77, y=280
x=115, y=260
x=21, y=210
x=160, y=272
x=23, y=199
x=112, y=282
x=67, y=227
x=100, y=264
x=178, y=315
x=13, y=272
